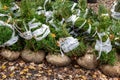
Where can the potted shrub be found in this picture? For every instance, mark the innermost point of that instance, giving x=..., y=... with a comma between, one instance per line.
x=32, y=31
x=109, y=63
x=113, y=59
x=12, y=52
x=63, y=42
x=8, y=39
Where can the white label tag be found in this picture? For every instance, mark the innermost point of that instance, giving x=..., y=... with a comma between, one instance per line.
x=89, y=29
x=2, y=15
x=105, y=14
x=77, y=11
x=86, y=12
x=5, y=15
x=13, y=38
x=48, y=15
x=53, y=25
x=115, y=14
x=26, y=35
x=45, y=4
x=33, y=24
x=75, y=4
x=103, y=46
x=15, y=10
x=106, y=46
x=12, y=41
x=41, y=33
x=68, y=44
x=5, y=24
x=72, y=19
x=40, y=10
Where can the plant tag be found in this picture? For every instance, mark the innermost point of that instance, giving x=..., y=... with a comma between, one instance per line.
x=86, y=13
x=105, y=14
x=26, y=35
x=78, y=12
x=115, y=14
x=33, y=24
x=106, y=46
x=68, y=44
x=5, y=24
x=2, y=15
x=53, y=25
x=72, y=19
x=103, y=46
x=89, y=29
x=15, y=10
x=5, y=15
x=41, y=33
x=62, y=21
x=12, y=41
x=48, y=15
x=75, y=4
x=45, y=4
x=13, y=38
x=40, y=10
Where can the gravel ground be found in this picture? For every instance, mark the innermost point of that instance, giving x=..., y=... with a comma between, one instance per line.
x=107, y=3
x=20, y=70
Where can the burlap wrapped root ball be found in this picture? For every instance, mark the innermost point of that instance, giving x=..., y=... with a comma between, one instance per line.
x=10, y=55
x=30, y=56
x=58, y=59
x=88, y=61
x=111, y=70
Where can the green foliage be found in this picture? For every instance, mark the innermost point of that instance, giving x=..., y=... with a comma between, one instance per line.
x=26, y=9
x=33, y=45
x=82, y=4
x=101, y=22
x=50, y=44
x=5, y=34
x=62, y=8
x=17, y=46
x=79, y=51
x=109, y=58
x=102, y=10
x=6, y=2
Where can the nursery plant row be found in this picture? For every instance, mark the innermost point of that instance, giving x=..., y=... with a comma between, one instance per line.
x=60, y=30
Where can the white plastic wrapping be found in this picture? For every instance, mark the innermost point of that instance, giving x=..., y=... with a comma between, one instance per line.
x=26, y=35
x=13, y=38
x=68, y=44
x=15, y=10
x=115, y=15
x=41, y=33
x=12, y=41
x=32, y=24
x=86, y=12
x=78, y=12
x=49, y=15
x=45, y=4
x=53, y=25
x=2, y=15
x=89, y=29
x=72, y=19
x=103, y=46
x=74, y=5
x=40, y=10
x=6, y=15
